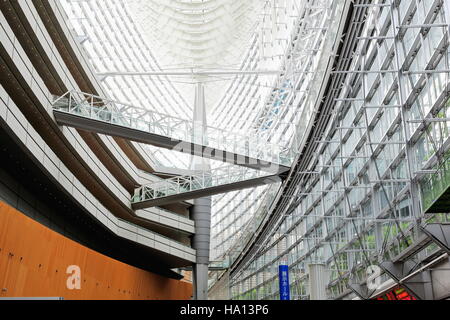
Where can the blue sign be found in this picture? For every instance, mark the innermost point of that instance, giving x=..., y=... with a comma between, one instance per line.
x=283, y=275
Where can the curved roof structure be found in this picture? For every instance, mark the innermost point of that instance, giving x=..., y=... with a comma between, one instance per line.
x=256, y=58
x=197, y=33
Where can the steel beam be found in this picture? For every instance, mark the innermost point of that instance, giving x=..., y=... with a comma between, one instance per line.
x=92, y=125
x=190, y=73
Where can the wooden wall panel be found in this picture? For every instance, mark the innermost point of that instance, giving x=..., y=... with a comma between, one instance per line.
x=34, y=261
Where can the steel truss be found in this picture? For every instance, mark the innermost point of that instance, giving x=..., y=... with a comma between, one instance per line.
x=402, y=135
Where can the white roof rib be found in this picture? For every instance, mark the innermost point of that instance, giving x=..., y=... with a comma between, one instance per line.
x=198, y=33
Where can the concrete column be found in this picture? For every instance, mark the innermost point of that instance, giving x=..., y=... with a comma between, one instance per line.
x=201, y=213
x=318, y=279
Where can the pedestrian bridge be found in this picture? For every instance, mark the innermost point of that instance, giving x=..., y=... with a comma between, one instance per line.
x=96, y=114
x=249, y=161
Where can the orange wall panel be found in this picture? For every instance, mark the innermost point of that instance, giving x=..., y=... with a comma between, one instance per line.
x=34, y=261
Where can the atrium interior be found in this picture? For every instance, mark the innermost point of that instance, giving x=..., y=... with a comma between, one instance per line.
x=225, y=149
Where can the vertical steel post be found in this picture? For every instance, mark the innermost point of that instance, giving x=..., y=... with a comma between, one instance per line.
x=201, y=211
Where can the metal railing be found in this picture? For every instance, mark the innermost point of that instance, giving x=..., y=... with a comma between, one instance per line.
x=100, y=109
x=199, y=181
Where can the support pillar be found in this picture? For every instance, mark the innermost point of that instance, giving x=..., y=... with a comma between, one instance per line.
x=317, y=282
x=201, y=211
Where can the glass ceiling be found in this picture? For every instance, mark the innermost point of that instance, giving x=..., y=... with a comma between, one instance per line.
x=263, y=55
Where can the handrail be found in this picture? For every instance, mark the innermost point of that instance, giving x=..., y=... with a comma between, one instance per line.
x=198, y=181
x=100, y=109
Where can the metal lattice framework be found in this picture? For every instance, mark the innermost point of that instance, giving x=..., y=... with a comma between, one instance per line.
x=381, y=162
x=381, y=159
x=111, y=41
x=286, y=109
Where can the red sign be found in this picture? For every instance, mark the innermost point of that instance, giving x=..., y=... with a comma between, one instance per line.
x=396, y=294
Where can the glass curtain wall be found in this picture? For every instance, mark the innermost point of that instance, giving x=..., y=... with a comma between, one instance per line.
x=385, y=153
